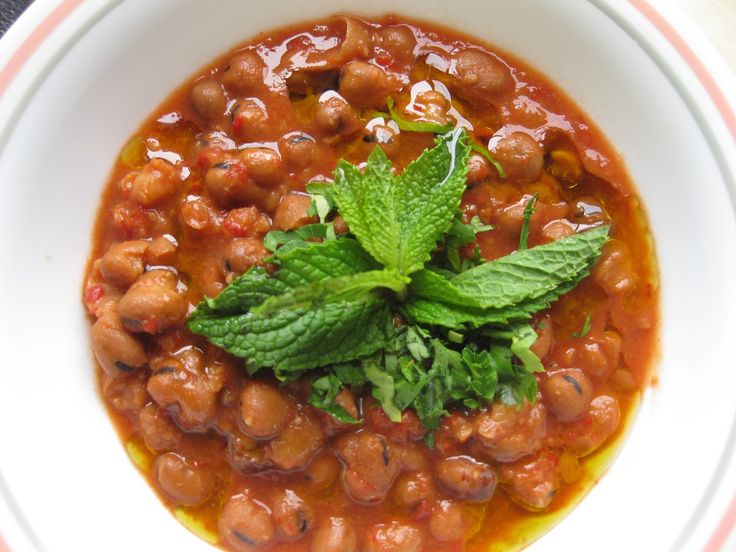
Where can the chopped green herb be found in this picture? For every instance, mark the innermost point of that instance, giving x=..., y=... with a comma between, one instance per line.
x=528, y=212
x=586, y=327
x=478, y=148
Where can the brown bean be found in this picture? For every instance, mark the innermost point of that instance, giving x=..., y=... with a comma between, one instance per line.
x=291, y=515
x=506, y=433
x=297, y=149
x=241, y=254
x=365, y=84
x=613, y=270
x=393, y=537
x=126, y=391
x=448, y=521
x=245, y=73
x=520, y=156
x=184, y=380
x=412, y=488
x=399, y=42
x=161, y=251
x=466, y=478
x=386, y=137
x=264, y=166
x=157, y=429
x=567, y=393
x=480, y=76
x=228, y=182
x=594, y=428
x=545, y=337
x=292, y=211
x=152, y=303
x=124, y=262
x=532, y=482
x=246, y=222
x=251, y=122
x=323, y=471
x=198, y=216
x=335, y=534
x=556, y=230
x=433, y=106
x=370, y=466
x=479, y=168
x=115, y=349
x=209, y=100
x=154, y=184
x=183, y=481
x=335, y=118
x=245, y=524
x=264, y=410
x=295, y=446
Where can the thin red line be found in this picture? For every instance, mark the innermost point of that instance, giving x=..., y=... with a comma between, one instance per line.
x=3, y=546
x=31, y=44
x=726, y=525
x=692, y=60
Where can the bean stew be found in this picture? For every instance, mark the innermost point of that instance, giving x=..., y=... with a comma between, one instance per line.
x=424, y=413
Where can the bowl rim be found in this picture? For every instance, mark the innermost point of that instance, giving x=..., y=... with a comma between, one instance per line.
x=48, y=29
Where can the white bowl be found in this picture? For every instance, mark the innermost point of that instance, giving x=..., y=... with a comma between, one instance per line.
x=78, y=79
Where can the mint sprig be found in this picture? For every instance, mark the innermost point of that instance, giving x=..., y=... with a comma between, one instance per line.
x=395, y=307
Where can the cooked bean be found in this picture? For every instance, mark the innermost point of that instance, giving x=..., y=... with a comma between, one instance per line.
x=264, y=410
x=126, y=391
x=480, y=76
x=532, y=482
x=567, y=393
x=613, y=270
x=323, y=471
x=393, y=537
x=245, y=524
x=246, y=222
x=154, y=184
x=335, y=534
x=399, y=42
x=478, y=168
x=241, y=254
x=588, y=210
x=297, y=443
x=115, y=349
x=335, y=118
x=183, y=481
x=264, y=166
x=594, y=428
x=556, y=230
x=386, y=137
x=599, y=354
x=245, y=454
x=209, y=100
x=124, y=262
x=433, y=106
x=365, y=85
x=161, y=251
x=197, y=215
x=251, y=122
x=292, y=211
x=152, y=303
x=291, y=515
x=302, y=83
x=506, y=433
x=412, y=488
x=448, y=521
x=157, y=429
x=520, y=155
x=228, y=182
x=370, y=466
x=185, y=381
x=297, y=149
x=245, y=73
x=466, y=478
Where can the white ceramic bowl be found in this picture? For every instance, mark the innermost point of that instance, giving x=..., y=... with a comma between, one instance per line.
x=78, y=79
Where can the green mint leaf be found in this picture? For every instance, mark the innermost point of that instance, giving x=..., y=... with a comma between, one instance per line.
x=586, y=327
x=343, y=288
x=531, y=273
x=399, y=220
x=415, y=126
x=323, y=200
x=459, y=235
x=322, y=395
x=528, y=212
x=299, y=339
